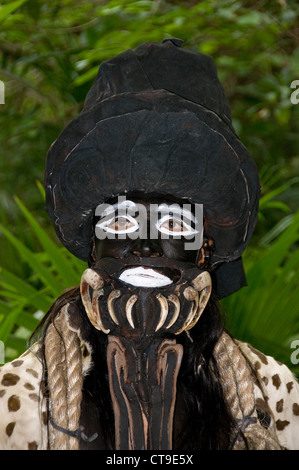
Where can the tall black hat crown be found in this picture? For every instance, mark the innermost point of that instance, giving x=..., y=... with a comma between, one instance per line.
x=155, y=120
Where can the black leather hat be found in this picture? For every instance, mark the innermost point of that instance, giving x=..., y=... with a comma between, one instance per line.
x=155, y=120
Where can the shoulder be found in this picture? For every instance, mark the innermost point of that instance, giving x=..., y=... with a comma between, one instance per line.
x=278, y=386
x=22, y=415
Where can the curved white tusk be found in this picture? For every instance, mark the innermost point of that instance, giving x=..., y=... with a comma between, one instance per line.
x=129, y=305
x=203, y=284
x=177, y=306
x=95, y=308
x=202, y=281
x=192, y=295
x=203, y=300
x=164, y=310
x=195, y=314
x=113, y=295
x=92, y=278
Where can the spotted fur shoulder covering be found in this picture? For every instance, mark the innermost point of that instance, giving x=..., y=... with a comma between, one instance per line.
x=277, y=389
x=23, y=410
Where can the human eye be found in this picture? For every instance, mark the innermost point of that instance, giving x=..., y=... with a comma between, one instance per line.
x=173, y=225
x=118, y=224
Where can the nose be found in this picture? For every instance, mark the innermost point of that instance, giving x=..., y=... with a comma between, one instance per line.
x=147, y=248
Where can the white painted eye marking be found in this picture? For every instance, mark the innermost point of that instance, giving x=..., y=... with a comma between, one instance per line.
x=118, y=224
x=174, y=225
x=176, y=220
x=127, y=217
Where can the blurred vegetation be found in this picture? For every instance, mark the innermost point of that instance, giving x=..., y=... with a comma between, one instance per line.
x=49, y=55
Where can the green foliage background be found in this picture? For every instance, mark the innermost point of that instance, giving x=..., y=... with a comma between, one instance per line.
x=50, y=52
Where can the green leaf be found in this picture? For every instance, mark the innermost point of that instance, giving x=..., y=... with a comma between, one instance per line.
x=41, y=190
x=276, y=231
x=62, y=265
x=42, y=271
x=15, y=343
x=8, y=322
x=266, y=312
x=272, y=194
x=24, y=291
x=28, y=321
x=4, y=308
x=6, y=10
x=86, y=77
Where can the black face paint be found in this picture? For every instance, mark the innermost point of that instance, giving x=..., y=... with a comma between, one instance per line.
x=165, y=229
x=143, y=291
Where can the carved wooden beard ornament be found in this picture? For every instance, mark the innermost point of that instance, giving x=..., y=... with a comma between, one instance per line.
x=141, y=322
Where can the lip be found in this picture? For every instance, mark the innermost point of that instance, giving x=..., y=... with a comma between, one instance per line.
x=140, y=276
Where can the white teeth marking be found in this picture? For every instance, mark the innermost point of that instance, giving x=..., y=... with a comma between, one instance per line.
x=144, y=277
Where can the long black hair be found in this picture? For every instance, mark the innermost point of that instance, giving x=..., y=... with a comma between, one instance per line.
x=208, y=422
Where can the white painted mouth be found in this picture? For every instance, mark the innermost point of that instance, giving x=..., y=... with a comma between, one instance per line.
x=144, y=277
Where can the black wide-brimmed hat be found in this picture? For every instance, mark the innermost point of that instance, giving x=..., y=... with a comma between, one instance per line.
x=155, y=120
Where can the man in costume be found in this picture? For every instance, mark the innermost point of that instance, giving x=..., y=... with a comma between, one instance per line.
x=151, y=186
